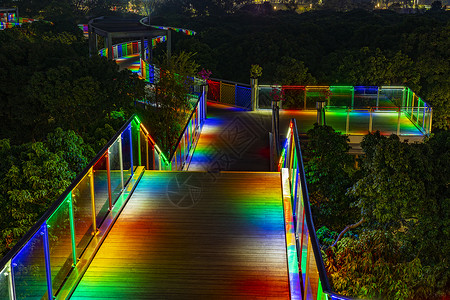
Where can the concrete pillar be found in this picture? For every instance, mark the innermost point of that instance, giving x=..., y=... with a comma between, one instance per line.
x=110, y=46
x=254, y=93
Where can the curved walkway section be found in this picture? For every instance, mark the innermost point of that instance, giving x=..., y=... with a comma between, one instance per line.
x=190, y=235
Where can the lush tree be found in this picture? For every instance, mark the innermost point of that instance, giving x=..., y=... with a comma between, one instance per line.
x=171, y=98
x=329, y=170
x=33, y=175
x=371, y=266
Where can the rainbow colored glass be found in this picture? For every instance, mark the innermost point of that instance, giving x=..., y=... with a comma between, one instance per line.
x=304, y=259
x=357, y=110
x=51, y=250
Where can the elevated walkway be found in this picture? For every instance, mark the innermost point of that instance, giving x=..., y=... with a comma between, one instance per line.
x=190, y=235
x=233, y=139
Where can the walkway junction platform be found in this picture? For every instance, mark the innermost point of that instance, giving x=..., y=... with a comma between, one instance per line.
x=209, y=221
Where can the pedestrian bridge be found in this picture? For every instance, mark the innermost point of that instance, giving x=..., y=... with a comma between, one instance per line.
x=209, y=221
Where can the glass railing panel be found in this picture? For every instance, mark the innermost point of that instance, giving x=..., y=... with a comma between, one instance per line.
x=82, y=210
x=146, y=151
x=4, y=283
x=385, y=120
x=313, y=276
x=135, y=137
x=157, y=159
x=341, y=96
x=101, y=196
x=60, y=244
x=359, y=120
x=365, y=96
x=30, y=278
x=265, y=97
x=336, y=117
x=303, y=245
x=115, y=169
x=126, y=155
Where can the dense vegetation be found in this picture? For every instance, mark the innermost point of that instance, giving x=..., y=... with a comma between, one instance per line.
x=396, y=205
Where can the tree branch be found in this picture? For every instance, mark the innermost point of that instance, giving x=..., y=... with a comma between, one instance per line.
x=347, y=229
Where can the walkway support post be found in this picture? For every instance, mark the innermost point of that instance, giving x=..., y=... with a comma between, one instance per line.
x=110, y=47
x=320, y=106
x=255, y=93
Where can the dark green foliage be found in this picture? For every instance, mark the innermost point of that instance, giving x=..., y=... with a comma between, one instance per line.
x=372, y=267
x=172, y=103
x=402, y=191
x=329, y=170
x=48, y=81
x=34, y=175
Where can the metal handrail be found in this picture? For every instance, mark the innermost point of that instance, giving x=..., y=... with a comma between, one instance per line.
x=288, y=157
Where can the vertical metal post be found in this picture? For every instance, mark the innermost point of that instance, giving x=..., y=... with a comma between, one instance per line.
x=403, y=97
x=398, y=120
x=139, y=146
x=91, y=183
x=431, y=119
x=72, y=229
x=110, y=47
x=11, y=288
x=153, y=155
x=370, y=119
x=131, y=151
x=108, y=174
x=120, y=158
x=353, y=96
x=304, y=105
x=254, y=92
x=347, y=123
x=47, y=260
x=378, y=97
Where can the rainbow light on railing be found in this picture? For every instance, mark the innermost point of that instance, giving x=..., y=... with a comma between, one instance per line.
x=185, y=31
x=302, y=247
x=30, y=265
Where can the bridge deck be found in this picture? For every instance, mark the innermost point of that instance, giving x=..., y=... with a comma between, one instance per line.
x=225, y=239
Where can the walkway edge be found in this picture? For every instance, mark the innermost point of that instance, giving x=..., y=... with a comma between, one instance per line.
x=78, y=272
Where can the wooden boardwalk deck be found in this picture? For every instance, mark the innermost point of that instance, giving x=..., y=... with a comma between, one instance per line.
x=193, y=235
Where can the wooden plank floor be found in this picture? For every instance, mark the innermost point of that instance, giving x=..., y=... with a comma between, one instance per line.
x=194, y=235
x=233, y=139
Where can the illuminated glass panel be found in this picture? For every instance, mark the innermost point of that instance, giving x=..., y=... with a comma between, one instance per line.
x=265, y=98
x=29, y=268
x=4, y=283
x=60, y=243
x=82, y=210
x=336, y=118
x=116, y=173
x=313, y=276
x=126, y=154
x=100, y=174
x=136, y=149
